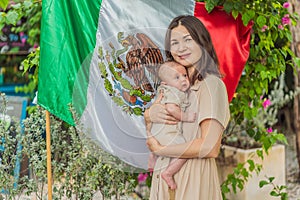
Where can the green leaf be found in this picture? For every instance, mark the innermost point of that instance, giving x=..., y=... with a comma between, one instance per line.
x=251, y=165
x=289, y=36
x=274, y=35
x=251, y=94
x=289, y=51
x=297, y=61
x=27, y=4
x=12, y=17
x=251, y=132
x=261, y=21
x=3, y=4
x=272, y=21
x=225, y=188
x=17, y=6
x=260, y=154
x=240, y=185
x=282, y=187
x=259, y=67
x=245, y=173
x=248, y=16
x=209, y=5
x=263, y=183
x=271, y=179
x=235, y=14
x=274, y=194
x=258, y=90
x=228, y=6
x=281, y=137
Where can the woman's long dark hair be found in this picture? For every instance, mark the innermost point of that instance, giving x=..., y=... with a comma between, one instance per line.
x=208, y=64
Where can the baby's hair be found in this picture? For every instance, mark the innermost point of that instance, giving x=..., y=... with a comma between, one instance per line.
x=163, y=69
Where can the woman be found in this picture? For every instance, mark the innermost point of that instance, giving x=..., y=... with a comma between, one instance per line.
x=188, y=43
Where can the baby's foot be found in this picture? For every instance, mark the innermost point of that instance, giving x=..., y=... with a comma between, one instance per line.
x=151, y=162
x=169, y=179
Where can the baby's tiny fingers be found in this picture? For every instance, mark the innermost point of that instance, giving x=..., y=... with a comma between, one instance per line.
x=159, y=98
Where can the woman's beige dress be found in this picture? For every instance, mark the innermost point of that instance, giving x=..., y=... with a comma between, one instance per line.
x=198, y=178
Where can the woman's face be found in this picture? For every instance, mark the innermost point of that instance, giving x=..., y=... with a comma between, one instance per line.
x=183, y=47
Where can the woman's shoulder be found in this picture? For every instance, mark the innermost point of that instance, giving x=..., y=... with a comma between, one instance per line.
x=212, y=78
x=213, y=81
x=210, y=82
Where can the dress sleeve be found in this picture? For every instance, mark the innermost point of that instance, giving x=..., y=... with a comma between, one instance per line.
x=213, y=101
x=213, y=104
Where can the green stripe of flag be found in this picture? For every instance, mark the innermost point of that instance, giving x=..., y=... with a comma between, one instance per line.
x=68, y=37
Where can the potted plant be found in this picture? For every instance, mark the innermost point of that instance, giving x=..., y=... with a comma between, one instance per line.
x=260, y=93
x=253, y=172
x=251, y=164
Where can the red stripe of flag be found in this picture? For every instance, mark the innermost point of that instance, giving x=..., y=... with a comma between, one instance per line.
x=231, y=40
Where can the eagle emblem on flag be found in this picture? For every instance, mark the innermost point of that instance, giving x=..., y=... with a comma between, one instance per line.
x=130, y=73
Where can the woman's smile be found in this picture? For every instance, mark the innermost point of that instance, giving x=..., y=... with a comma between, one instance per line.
x=184, y=56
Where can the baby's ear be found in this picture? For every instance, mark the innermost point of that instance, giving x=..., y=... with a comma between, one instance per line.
x=163, y=83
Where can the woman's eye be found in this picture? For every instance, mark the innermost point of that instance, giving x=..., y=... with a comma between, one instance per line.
x=174, y=43
x=177, y=77
x=188, y=39
x=184, y=75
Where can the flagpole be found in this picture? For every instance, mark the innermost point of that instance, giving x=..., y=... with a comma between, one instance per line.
x=48, y=147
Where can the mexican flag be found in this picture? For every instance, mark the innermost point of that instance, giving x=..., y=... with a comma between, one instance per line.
x=101, y=57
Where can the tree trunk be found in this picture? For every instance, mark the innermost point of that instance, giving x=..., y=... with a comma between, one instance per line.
x=295, y=6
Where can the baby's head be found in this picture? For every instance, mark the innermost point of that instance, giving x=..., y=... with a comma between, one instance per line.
x=173, y=74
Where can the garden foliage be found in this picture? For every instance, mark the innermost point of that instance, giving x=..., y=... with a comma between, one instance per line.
x=270, y=57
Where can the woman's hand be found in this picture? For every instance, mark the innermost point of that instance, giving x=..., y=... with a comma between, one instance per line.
x=157, y=113
x=153, y=145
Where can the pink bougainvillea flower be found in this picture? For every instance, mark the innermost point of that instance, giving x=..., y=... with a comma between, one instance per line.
x=264, y=28
x=266, y=103
x=142, y=177
x=286, y=20
x=270, y=130
x=286, y=5
x=280, y=27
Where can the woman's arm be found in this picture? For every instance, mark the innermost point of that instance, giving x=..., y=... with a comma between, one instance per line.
x=157, y=113
x=176, y=112
x=209, y=143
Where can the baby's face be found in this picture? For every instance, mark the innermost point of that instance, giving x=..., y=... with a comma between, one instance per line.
x=177, y=77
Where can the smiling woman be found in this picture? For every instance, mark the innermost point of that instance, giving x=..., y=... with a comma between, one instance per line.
x=188, y=43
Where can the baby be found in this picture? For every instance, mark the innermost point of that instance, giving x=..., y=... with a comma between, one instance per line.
x=174, y=86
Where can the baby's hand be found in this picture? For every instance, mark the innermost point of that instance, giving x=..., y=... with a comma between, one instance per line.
x=191, y=117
